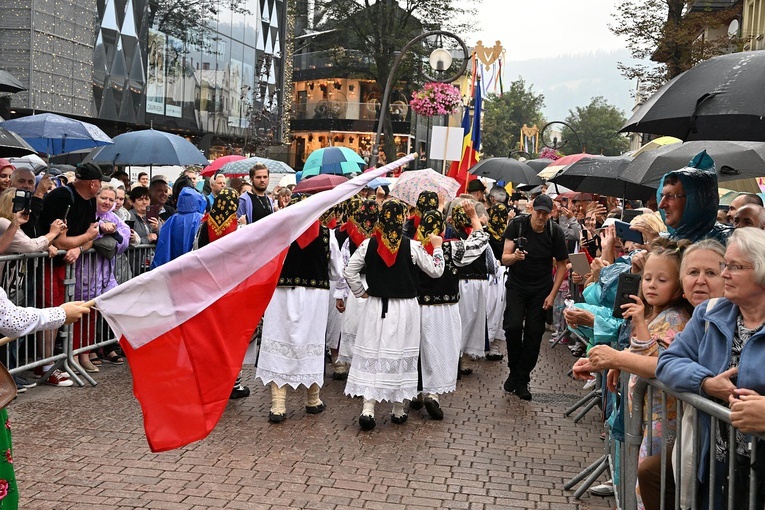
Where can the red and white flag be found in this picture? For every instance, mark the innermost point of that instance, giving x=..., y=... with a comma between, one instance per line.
x=185, y=325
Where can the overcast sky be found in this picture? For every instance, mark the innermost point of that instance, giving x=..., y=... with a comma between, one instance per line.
x=546, y=28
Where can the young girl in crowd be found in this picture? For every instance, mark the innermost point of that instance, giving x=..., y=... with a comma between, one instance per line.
x=657, y=315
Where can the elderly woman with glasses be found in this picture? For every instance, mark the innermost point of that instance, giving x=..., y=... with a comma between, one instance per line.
x=720, y=355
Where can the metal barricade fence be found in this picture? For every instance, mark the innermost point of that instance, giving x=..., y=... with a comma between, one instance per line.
x=28, y=280
x=722, y=478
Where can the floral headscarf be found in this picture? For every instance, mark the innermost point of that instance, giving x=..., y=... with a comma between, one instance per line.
x=222, y=216
x=426, y=201
x=389, y=230
x=460, y=221
x=362, y=224
x=498, y=215
x=432, y=222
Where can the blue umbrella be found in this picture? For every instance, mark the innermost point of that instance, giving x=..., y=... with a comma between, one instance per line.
x=54, y=134
x=333, y=160
x=148, y=147
x=380, y=181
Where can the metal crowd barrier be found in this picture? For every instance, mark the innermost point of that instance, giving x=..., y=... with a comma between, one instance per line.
x=27, y=279
x=686, y=496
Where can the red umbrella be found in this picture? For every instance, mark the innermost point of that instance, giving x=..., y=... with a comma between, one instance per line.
x=317, y=183
x=213, y=167
x=556, y=165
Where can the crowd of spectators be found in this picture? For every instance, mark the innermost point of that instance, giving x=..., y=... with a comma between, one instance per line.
x=696, y=322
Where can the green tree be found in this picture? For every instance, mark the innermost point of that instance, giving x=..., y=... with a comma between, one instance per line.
x=597, y=125
x=504, y=116
x=672, y=34
x=376, y=30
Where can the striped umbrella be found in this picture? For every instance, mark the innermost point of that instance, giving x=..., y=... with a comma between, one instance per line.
x=333, y=160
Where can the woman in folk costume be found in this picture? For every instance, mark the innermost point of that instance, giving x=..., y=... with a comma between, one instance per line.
x=292, y=348
x=441, y=326
x=359, y=227
x=334, y=320
x=384, y=365
x=474, y=286
x=426, y=201
x=495, y=300
x=220, y=221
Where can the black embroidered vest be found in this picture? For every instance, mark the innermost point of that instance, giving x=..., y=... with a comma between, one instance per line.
x=398, y=281
x=309, y=266
x=443, y=290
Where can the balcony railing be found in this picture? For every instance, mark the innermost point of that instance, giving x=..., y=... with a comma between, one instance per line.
x=350, y=110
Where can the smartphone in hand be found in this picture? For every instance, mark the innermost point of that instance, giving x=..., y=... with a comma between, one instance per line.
x=153, y=211
x=628, y=285
x=623, y=232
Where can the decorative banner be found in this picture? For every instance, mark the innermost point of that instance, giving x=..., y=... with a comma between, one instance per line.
x=155, y=85
x=491, y=69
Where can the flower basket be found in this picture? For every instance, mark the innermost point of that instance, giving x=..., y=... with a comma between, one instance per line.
x=436, y=99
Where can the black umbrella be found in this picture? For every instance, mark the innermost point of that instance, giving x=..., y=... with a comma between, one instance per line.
x=539, y=164
x=722, y=98
x=9, y=83
x=12, y=144
x=506, y=169
x=605, y=175
x=733, y=160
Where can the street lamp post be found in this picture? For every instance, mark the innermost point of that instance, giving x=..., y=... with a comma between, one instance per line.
x=440, y=60
x=555, y=145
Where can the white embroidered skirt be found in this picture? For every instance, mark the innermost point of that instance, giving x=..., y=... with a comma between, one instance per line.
x=473, y=314
x=440, y=345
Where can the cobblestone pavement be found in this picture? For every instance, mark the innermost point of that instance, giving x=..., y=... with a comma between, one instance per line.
x=80, y=448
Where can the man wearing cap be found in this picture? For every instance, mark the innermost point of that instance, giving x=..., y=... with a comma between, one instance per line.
x=160, y=193
x=75, y=204
x=532, y=244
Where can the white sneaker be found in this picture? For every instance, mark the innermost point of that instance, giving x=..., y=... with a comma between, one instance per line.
x=605, y=489
x=589, y=384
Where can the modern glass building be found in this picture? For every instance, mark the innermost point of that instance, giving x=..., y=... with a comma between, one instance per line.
x=113, y=63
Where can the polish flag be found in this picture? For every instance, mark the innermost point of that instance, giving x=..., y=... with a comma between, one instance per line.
x=185, y=325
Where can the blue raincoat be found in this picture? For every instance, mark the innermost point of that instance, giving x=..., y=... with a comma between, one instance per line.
x=699, y=220
x=176, y=236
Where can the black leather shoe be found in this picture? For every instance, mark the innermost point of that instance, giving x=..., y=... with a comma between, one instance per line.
x=415, y=404
x=494, y=357
x=399, y=419
x=367, y=422
x=466, y=371
x=239, y=392
x=522, y=390
x=509, y=385
x=434, y=409
x=276, y=418
x=315, y=409
x=340, y=376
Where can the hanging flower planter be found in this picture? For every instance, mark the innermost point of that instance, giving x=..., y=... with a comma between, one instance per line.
x=436, y=99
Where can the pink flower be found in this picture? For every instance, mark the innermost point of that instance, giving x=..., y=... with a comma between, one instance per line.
x=3, y=488
x=8, y=456
x=436, y=99
x=8, y=424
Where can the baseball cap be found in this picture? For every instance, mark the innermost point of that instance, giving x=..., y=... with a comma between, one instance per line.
x=158, y=178
x=90, y=172
x=543, y=203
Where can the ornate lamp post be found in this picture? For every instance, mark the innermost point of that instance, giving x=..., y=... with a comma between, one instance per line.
x=554, y=143
x=440, y=60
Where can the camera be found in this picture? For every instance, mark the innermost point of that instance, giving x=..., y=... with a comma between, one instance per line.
x=22, y=201
x=520, y=243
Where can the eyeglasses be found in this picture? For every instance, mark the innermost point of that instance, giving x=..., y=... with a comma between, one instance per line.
x=670, y=197
x=733, y=268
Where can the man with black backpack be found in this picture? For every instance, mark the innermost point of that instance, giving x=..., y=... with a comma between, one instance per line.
x=532, y=243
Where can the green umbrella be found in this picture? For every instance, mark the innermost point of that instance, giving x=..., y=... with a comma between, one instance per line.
x=333, y=160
